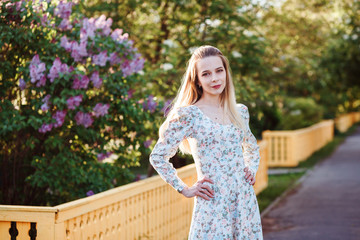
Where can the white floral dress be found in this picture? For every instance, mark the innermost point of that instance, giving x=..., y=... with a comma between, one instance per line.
x=221, y=152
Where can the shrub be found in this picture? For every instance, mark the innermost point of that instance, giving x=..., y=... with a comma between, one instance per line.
x=299, y=113
x=70, y=100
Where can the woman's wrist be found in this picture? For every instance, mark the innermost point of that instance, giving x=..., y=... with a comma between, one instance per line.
x=184, y=190
x=180, y=189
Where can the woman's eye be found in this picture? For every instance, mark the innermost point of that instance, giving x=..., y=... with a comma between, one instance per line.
x=205, y=74
x=220, y=70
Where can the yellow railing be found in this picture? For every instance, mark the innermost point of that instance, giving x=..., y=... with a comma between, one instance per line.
x=150, y=208
x=147, y=209
x=345, y=121
x=356, y=117
x=262, y=175
x=288, y=148
x=22, y=217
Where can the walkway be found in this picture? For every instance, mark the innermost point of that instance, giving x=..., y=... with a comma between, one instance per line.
x=326, y=205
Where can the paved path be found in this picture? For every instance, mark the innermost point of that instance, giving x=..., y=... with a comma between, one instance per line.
x=326, y=205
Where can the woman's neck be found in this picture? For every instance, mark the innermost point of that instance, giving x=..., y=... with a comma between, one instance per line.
x=211, y=100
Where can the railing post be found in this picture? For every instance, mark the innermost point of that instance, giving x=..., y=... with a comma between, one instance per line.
x=13, y=231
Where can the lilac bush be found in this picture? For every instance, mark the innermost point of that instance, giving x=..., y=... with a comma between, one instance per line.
x=75, y=104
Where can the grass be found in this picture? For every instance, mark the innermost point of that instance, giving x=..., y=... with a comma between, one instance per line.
x=277, y=184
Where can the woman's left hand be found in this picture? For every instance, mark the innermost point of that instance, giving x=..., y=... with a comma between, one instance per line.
x=249, y=177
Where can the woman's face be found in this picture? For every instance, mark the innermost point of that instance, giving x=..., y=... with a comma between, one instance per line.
x=212, y=75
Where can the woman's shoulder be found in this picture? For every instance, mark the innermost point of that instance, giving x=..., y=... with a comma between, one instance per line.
x=186, y=111
x=184, y=108
x=243, y=109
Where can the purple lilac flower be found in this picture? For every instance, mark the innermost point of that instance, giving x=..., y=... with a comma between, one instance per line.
x=35, y=60
x=100, y=59
x=138, y=62
x=166, y=107
x=88, y=29
x=18, y=6
x=73, y=102
x=126, y=68
x=114, y=58
x=45, y=106
x=65, y=25
x=147, y=143
x=150, y=104
x=83, y=119
x=65, y=43
x=59, y=116
x=102, y=156
x=41, y=82
x=101, y=109
x=45, y=128
x=130, y=67
x=89, y=193
x=64, y=68
x=63, y=10
x=117, y=35
x=78, y=50
x=82, y=82
x=45, y=21
x=22, y=84
x=85, y=34
x=96, y=80
x=54, y=70
x=82, y=49
x=37, y=69
x=105, y=25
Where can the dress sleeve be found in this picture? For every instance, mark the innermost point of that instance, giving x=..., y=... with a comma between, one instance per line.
x=179, y=128
x=250, y=147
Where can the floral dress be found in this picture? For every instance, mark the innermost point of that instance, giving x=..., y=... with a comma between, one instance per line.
x=221, y=152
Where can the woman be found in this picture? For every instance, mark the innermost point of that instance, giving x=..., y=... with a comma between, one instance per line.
x=206, y=122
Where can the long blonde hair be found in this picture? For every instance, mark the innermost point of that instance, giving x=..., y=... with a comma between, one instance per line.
x=189, y=92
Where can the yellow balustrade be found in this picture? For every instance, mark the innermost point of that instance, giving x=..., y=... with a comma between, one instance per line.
x=345, y=121
x=23, y=216
x=356, y=117
x=288, y=148
x=262, y=175
x=147, y=209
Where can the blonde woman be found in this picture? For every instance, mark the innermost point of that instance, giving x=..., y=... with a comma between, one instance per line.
x=205, y=121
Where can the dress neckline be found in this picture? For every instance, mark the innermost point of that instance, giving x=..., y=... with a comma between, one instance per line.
x=230, y=124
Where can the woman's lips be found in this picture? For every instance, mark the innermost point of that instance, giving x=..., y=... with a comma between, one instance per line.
x=217, y=86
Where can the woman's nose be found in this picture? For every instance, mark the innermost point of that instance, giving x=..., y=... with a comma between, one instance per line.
x=214, y=78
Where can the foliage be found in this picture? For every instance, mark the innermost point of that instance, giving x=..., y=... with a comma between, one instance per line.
x=299, y=113
x=340, y=63
x=315, y=52
x=70, y=100
x=166, y=33
x=275, y=49
x=266, y=115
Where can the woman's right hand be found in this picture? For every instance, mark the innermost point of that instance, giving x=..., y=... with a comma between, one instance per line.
x=199, y=189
